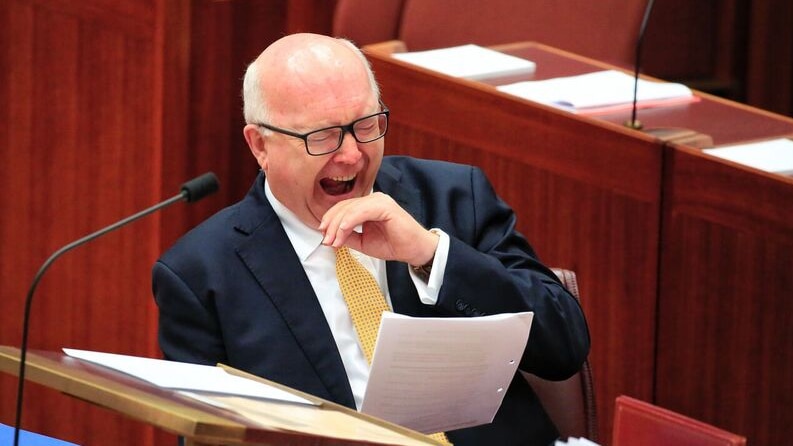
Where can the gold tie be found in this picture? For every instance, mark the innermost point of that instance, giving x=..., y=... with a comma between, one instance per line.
x=364, y=299
x=366, y=305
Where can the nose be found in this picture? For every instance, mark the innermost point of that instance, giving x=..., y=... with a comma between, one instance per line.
x=348, y=153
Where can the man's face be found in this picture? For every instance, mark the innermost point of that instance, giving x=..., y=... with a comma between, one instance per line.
x=312, y=82
x=309, y=185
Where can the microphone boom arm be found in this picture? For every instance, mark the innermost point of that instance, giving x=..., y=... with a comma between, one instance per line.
x=191, y=191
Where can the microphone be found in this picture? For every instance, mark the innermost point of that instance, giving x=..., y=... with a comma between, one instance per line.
x=665, y=134
x=191, y=191
x=634, y=123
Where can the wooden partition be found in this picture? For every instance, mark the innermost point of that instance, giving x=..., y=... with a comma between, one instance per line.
x=107, y=107
x=82, y=99
x=725, y=315
x=668, y=257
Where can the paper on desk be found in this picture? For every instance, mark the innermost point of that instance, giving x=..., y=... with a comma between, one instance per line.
x=773, y=155
x=440, y=374
x=468, y=61
x=185, y=376
x=600, y=92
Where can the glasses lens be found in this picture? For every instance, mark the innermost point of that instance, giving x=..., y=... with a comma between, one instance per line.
x=323, y=141
x=371, y=128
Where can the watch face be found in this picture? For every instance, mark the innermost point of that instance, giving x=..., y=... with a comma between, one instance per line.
x=422, y=271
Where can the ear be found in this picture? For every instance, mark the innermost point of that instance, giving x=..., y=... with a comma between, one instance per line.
x=257, y=144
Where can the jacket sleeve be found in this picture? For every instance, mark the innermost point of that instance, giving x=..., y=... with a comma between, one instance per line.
x=188, y=327
x=492, y=269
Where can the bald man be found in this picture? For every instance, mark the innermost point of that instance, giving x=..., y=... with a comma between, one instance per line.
x=255, y=286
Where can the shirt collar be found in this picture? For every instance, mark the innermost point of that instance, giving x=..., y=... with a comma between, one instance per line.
x=304, y=239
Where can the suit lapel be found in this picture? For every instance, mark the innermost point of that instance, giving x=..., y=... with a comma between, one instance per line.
x=270, y=257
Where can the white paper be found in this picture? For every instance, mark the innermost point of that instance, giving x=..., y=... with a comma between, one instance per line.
x=185, y=376
x=468, y=61
x=575, y=441
x=597, y=90
x=440, y=374
x=775, y=155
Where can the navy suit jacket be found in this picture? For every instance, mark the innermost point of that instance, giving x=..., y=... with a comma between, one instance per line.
x=233, y=290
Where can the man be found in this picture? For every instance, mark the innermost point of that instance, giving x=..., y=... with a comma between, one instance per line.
x=255, y=285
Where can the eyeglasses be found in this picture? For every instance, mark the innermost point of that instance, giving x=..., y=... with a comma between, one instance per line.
x=329, y=139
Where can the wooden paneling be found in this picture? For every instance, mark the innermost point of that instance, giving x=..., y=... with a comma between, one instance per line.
x=80, y=149
x=769, y=69
x=224, y=38
x=725, y=328
x=107, y=107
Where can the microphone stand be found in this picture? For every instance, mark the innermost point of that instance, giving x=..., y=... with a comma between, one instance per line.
x=634, y=123
x=665, y=134
x=191, y=191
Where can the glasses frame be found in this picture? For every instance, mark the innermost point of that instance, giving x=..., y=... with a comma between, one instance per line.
x=349, y=128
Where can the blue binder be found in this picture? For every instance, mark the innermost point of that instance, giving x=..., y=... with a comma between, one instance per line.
x=29, y=438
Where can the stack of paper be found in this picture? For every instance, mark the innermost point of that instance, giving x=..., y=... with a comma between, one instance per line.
x=774, y=155
x=184, y=376
x=600, y=92
x=468, y=61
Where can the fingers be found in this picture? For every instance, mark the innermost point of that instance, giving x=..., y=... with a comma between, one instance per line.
x=339, y=223
x=386, y=231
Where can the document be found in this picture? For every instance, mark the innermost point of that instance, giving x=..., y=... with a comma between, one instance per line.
x=440, y=374
x=184, y=376
x=601, y=92
x=468, y=61
x=773, y=155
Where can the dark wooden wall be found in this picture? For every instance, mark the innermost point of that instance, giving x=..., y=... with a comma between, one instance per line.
x=107, y=106
x=738, y=49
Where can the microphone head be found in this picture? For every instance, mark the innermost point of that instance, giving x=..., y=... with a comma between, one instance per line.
x=199, y=187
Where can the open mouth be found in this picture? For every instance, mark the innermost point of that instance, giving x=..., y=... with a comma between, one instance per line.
x=337, y=185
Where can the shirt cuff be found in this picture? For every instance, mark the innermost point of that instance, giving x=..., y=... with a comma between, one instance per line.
x=428, y=291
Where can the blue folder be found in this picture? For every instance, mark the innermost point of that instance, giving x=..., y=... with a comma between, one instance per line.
x=29, y=438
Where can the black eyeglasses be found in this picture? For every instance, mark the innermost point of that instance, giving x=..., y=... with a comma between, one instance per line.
x=328, y=140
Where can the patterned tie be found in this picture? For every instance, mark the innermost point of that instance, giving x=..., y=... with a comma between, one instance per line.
x=366, y=304
x=364, y=299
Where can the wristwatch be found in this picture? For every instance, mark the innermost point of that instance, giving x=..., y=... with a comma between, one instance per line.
x=423, y=271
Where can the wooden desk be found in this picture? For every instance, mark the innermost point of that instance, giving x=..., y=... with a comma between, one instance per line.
x=199, y=423
x=591, y=196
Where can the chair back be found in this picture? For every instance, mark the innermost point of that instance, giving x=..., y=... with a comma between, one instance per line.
x=605, y=29
x=570, y=403
x=640, y=423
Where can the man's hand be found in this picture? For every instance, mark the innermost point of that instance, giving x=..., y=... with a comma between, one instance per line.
x=389, y=232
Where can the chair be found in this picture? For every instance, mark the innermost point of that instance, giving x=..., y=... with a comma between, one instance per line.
x=605, y=29
x=640, y=423
x=570, y=403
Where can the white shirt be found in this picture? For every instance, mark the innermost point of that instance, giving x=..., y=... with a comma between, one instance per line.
x=319, y=262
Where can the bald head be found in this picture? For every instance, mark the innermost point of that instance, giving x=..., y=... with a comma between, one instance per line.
x=302, y=68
